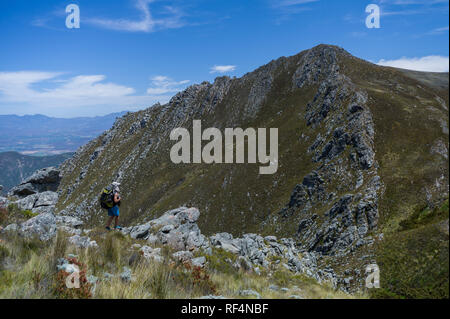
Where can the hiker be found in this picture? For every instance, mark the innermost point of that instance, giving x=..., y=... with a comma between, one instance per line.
x=110, y=200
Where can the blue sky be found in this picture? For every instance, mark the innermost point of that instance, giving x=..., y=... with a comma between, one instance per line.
x=129, y=54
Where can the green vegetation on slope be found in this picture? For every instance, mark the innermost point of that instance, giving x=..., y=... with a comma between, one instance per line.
x=414, y=262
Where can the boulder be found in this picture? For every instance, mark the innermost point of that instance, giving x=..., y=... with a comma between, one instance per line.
x=199, y=262
x=23, y=190
x=46, y=179
x=176, y=228
x=46, y=198
x=150, y=253
x=42, y=226
x=126, y=276
x=249, y=293
x=27, y=203
x=82, y=241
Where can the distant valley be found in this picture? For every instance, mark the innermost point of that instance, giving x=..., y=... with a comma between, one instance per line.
x=15, y=167
x=42, y=135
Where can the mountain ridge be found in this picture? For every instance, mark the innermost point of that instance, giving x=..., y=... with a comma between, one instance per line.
x=350, y=171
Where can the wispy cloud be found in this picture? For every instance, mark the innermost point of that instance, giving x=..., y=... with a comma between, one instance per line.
x=412, y=7
x=36, y=91
x=439, y=30
x=163, y=85
x=285, y=9
x=432, y=63
x=288, y=3
x=222, y=68
x=171, y=17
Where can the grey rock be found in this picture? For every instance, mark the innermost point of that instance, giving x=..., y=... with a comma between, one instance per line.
x=183, y=256
x=271, y=239
x=46, y=198
x=82, y=241
x=126, y=276
x=249, y=293
x=27, y=203
x=212, y=297
x=140, y=231
x=69, y=230
x=178, y=229
x=229, y=247
x=69, y=221
x=199, y=262
x=43, y=209
x=150, y=253
x=42, y=226
x=46, y=179
x=107, y=276
x=64, y=265
x=23, y=190
x=11, y=228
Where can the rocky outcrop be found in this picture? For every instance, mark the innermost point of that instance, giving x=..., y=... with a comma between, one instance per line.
x=42, y=226
x=46, y=179
x=176, y=228
x=38, y=192
x=46, y=225
x=39, y=202
x=340, y=110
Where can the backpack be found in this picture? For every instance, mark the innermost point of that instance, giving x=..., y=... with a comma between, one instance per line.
x=107, y=198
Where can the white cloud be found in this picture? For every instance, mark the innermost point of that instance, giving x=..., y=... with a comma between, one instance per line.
x=55, y=94
x=163, y=85
x=147, y=22
x=222, y=68
x=432, y=63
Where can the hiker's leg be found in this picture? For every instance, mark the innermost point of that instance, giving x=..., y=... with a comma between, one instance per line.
x=108, y=223
x=116, y=221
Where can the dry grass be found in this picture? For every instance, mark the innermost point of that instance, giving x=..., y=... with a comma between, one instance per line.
x=32, y=273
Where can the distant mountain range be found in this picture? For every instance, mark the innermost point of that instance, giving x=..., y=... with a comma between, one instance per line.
x=15, y=167
x=43, y=135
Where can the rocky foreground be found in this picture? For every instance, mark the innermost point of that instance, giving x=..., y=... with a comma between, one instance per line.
x=176, y=229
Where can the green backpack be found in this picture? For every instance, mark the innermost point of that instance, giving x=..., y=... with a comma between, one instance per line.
x=107, y=198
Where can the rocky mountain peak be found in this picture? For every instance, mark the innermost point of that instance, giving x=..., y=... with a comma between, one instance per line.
x=347, y=155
